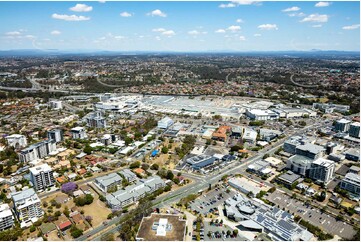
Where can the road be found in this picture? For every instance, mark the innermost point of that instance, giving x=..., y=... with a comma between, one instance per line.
x=302, y=85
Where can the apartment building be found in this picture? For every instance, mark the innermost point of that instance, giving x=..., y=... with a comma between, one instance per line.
x=42, y=177
x=96, y=120
x=27, y=206
x=342, y=125
x=37, y=151
x=355, y=130
x=78, y=133
x=6, y=217
x=56, y=135
x=351, y=183
x=322, y=170
x=16, y=140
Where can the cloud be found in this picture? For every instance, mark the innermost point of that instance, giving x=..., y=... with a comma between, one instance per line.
x=234, y=28
x=292, y=9
x=300, y=14
x=102, y=1
x=158, y=30
x=196, y=32
x=218, y=31
x=70, y=17
x=126, y=14
x=268, y=27
x=119, y=37
x=168, y=33
x=13, y=33
x=158, y=13
x=351, y=27
x=317, y=26
x=320, y=18
x=322, y=4
x=236, y=3
x=29, y=36
x=81, y=8
x=257, y=35
x=242, y=38
x=239, y=20
x=55, y=32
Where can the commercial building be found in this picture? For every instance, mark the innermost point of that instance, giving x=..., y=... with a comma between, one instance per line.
x=108, y=181
x=351, y=183
x=241, y=185
x=6, y=217
x=249, y=135
x=299, y=164
x=237, y=131
x=27, y=206
x=259, y=167
x=56, y=135
x=294, y=112
x=288, y=178
x=42, y=177
x=353, y=154
x=290, y=144
x=342, y=125
x=16, y=140
x=200, y=161
x=96, y=120
x=162, y=227
x=56, y=104
x=330, y=108
x=37, y=151
x=355, y=130
x=165, y=123
x=310, y=150
x=221, y=133
x=268, y=134
x=259, y=114
x=78, y=133
x=322, y=170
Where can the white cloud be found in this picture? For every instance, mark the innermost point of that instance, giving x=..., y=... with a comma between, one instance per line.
x=196, y=32
x=158, y=30
x=268, y=27
x=119, y=37
x=234, y=28
x=320, y=18
x=300, y=14
x=351, y=27
x=29, y=36
x=102, y=1
x=257, y=35
x=126, y=14
x=236, y=3
x=158, y=13
x=292, y=9
x=239, y=20
x=157, y=38
x=242, y=38
x=70, y=17
x=55, y=32
x=322, y=4
x=168, y=33
x=317, y=26
x=81, y=8
x=219, y=31
x=13, y=33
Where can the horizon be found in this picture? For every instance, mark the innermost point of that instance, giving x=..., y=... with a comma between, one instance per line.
x=180, y=27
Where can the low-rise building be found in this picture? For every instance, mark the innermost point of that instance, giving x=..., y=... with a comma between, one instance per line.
x=351, y=183
x=310, y=150
x=353, y=154
x=165, y=123
x=290, y=144
x=221, y=133
x=200, y=161
x=6, y=217
x=128, y=175
x=299, y=164
x=268, y=134
x=259, y=114
x=288, y=179
x=249, y=135
x=108, y=182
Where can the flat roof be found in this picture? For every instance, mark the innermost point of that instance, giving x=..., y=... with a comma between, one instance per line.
x=146, y=231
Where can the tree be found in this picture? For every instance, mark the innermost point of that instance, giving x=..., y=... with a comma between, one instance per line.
x=235, y=232
x=134, y=165
x=69, y=187
x=165, y=150
x=75, y=232
x=88, y=149
x=170, y=175
x=154, y=167
x=66, y=211
x=32, y=228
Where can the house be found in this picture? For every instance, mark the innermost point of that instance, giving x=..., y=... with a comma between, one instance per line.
x=85, y=189
x=77, y=218
x=62, y=198
x=81, y=171
x=63, y=223
x=139, y=171
x=78, y=193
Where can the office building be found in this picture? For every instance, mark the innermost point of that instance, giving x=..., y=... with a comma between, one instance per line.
x=355, y=130
x=27, y=206
x=221, y=133
x=96, y=120
x=37, y=151
x=268, y=134
x=249, y=135
x=353, y=154
x=56, y=135
x=78, y=133
x=16, y=140
x=351, y=183
x=322, y=170
x=6, y=217
x=310, y=150
x=330, y=108
x=55, y=104
x=342, y=125
x=299, y=164
x=42, y=177
x=290, y=144
x=165, y=123
x=200, y=161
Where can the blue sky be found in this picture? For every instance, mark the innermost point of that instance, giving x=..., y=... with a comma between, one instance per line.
x=180, y=26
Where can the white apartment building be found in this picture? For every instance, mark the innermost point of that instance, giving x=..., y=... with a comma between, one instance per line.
x=27, y=206
x=42, y=177
x=322, y=170
x=37, y=151
x=78, y=133
x=6, y=217
x=351, y=183
x=56, y=135
x=55, y=104
x=16, y=140
x=342, y=125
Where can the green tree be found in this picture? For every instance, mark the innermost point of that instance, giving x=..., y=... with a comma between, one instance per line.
x=87, y=149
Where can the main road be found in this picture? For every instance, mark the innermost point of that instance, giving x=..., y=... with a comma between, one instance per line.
x=200, y=183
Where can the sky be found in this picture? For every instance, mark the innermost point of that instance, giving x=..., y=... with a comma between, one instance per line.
x=240, y=25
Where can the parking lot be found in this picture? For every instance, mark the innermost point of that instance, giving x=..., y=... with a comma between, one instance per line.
x=208, y=203
x=312, y=215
